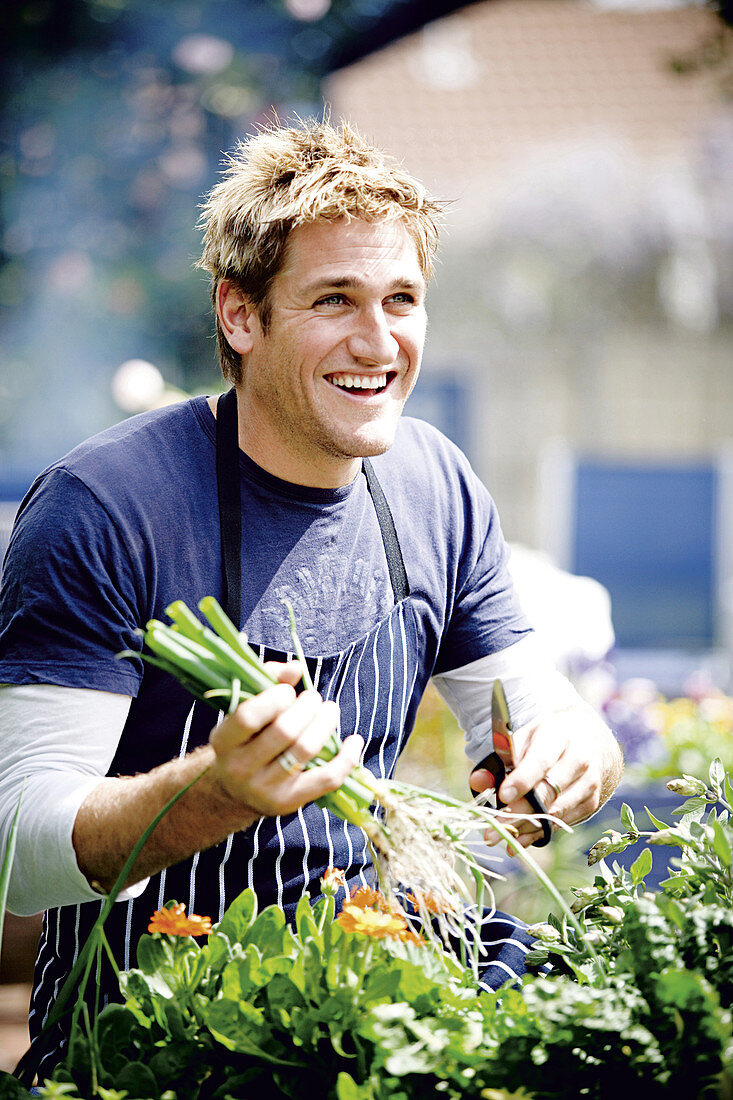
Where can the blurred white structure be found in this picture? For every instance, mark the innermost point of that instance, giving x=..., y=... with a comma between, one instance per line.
x=571, y=615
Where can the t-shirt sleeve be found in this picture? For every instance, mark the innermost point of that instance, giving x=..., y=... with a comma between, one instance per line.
x=71, y=594
x=486, y=615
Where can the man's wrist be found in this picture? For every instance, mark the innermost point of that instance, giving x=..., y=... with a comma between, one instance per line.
x=227, y=808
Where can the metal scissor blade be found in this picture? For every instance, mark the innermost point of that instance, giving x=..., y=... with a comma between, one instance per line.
x=502, y=760
x=501, y=726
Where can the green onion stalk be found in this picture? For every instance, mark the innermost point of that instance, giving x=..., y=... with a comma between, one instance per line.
x=419, y=839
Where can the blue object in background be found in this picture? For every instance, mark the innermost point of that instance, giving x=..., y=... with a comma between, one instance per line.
x=443, y=400
x=648, y=534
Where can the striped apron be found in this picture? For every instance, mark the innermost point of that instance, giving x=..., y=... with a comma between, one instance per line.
x=377, y=682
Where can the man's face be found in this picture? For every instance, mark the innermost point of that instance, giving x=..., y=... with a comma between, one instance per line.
x=326, y=383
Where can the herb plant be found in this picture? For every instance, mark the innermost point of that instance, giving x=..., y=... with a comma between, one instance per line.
x=359, y=1006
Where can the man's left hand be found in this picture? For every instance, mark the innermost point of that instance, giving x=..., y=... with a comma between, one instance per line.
x=573, y=762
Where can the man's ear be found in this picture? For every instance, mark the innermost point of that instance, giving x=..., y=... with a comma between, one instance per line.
x=236, y=316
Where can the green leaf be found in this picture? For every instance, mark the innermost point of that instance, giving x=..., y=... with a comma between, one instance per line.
x=282, y=997
x=239, y=1027
x=728, y=791
x=270, y=931
x=382, y=984
x=555, y=923
x=117, y=1030
x=154, y=954
x=627, y=819
x=721, y=845
x=137, y=1079
x=682, y=988
x=656, y=822
x=717, y=775
x=175, y=1021
x=244, y=975
x=641, y=867
x=135, y=987
x=679, y=884
x=305, y=922
x=691, y=809
x=347, y=1088
x=672, y=910
x=11, y=1088
x=239, y=917
x=171, y=1061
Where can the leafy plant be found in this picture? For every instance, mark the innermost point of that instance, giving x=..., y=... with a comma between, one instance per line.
x=91, y=953
x=360, y=1007
x=669, y=955
x=266, y=1009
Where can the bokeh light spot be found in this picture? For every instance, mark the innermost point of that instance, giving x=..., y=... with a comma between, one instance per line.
x=203, y=54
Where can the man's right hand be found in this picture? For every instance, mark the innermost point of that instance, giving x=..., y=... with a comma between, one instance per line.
x=248, y=747
x=241, y=780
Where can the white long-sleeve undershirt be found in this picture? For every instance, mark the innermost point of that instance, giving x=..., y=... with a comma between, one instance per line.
x=59, y=743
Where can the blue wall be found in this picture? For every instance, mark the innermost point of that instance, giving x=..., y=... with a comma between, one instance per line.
x=648, y=534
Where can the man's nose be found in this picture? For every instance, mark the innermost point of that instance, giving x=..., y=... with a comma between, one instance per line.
x=371, y=340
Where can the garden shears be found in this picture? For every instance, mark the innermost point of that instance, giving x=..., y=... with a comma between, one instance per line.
x=502, y=760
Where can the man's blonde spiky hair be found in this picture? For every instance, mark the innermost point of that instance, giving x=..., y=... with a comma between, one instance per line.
x=284, y=177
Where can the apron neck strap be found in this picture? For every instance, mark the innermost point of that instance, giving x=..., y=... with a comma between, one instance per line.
x=395, y=561
x=230, y=512
x=230, y=502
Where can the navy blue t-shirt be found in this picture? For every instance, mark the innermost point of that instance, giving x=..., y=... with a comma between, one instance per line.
x=128, y=521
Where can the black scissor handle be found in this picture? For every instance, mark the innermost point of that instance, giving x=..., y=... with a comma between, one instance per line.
x=494, y=764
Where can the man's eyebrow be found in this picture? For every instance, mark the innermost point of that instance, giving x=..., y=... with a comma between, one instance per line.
x=357, y=282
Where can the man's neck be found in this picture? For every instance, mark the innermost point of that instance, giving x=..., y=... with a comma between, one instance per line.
x=260, y=444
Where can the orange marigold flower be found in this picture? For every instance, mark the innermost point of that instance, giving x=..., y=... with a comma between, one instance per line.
x=333, y=880
x=173, y=921
x=411, y=936
x=365, y=897
x=430, y=901
x=369, y=922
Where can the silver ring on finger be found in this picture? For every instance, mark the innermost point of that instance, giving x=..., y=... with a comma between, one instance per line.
x=289, y=763
x=557, y=790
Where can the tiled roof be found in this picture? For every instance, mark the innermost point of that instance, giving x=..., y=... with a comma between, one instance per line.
x=488, y=87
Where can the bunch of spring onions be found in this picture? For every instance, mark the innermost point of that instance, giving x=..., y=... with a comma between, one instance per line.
x=419, y=839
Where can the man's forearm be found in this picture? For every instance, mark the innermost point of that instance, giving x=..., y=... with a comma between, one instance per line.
x=115, y=814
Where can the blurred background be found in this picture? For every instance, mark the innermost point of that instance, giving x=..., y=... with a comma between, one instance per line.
x=581, y=320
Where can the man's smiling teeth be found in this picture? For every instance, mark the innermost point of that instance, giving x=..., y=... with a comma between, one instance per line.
x=359, y=381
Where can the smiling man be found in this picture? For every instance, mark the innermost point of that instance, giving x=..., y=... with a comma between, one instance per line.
x=328, y=375
x=303, y=482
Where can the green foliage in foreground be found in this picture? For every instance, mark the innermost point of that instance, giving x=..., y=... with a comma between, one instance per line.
x=265, y=1011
